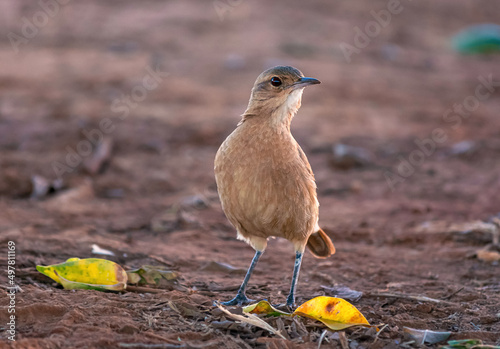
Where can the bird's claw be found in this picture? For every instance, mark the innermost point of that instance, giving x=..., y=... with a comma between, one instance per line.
x=239, y=300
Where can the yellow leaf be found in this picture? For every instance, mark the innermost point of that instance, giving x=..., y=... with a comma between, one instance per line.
x=264, y=307
x=335, y=313
x=90, y=273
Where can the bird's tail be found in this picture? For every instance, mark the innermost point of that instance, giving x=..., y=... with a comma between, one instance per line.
x=320, y=244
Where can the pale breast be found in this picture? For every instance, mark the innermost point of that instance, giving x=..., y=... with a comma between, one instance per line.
x=266, y=185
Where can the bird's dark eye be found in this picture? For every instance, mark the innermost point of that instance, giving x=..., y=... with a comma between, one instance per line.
x=275, y=81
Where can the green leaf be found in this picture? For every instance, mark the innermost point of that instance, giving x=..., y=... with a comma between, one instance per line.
x=468, y=344
x=264, y=307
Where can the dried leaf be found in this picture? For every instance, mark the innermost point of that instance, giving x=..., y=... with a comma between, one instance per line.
x=133, y=278
x=90, y=273
x=151, y=275
x=426, y=336
x=265, y=308
x=101, y=251
x=343, y=292
x=251, y=319
x=488, y=256
x=335, y=313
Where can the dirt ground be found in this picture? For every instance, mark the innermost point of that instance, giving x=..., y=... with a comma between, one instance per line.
x=154, y=201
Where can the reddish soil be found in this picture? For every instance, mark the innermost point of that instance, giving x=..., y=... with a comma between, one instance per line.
x=155, y=201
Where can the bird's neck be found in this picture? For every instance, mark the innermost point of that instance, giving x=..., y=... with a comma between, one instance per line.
x=271, y=113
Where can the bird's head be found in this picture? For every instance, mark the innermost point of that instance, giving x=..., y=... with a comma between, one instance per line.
x=277, y=93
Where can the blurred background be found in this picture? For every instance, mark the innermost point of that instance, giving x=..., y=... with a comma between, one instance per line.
x=111, y=113
x=66, y=66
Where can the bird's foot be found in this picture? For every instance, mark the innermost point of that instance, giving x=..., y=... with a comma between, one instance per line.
x=240, y=299
x=290, y=301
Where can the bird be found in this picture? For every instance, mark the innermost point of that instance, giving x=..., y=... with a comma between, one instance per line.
x=264, y=180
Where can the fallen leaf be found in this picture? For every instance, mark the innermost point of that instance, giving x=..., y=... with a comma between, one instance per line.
x=343, y=292
x=265, y=308
x=335, y=313
x=426, y=336
x=72, y=285
x=133, y=278
x=98, y=250
x=488, y=256
x=151, y=275
x=251, y=319
x=90, y=273
x=468, y=344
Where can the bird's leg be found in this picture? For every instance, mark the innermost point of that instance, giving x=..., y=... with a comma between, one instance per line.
x=241, y=297
x=290, y=300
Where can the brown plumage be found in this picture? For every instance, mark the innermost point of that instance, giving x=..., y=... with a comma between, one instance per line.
x=264, y=179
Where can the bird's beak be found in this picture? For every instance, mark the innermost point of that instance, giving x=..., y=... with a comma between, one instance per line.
x=303, y=82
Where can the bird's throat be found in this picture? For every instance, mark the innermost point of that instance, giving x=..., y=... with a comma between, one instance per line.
x=277, y=113
x=283, y=115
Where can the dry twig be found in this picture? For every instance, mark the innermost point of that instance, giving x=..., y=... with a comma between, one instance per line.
x=343, y=340
x=140, y=289
x=321, y=338
x=407, y=296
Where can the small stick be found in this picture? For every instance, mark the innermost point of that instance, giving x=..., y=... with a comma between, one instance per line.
x=144, y=289
x=453, y=293
x=165, y=345
x=408, y=296
x=321, y=338
x=155, y=336
x=343, y=340
x=151, y=346
x=379, y=332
